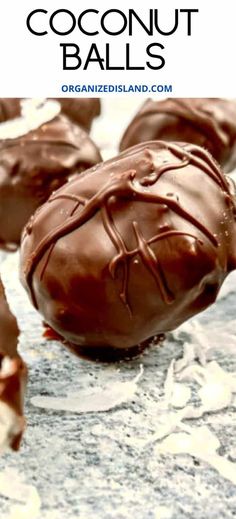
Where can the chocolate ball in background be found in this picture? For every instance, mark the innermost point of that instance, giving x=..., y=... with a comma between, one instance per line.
x=81, y=111
x=13, y=378
x=131, y=248
x=207, y=122
x=33, y=166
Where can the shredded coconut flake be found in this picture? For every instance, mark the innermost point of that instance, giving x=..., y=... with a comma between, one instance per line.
x=98, y=399
x=35, y=113
x=180, y=396
x=215, y=392
x=201, y=443
x=27, y=501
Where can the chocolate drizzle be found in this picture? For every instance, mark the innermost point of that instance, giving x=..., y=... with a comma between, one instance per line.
x=122, y=186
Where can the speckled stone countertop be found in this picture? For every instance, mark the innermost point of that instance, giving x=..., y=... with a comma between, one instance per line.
x=106, y=465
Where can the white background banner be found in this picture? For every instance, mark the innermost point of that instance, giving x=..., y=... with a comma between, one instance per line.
x=201, y=64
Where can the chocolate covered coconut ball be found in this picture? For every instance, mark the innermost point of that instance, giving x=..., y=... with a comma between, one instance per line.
x=131, y=248
x=80, y=111
x=13, y=377
x=38, y=153
x=207, y=122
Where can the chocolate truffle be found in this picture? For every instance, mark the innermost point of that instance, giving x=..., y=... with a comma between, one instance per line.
x=207, y=122
x=133, y=247
x=81, y=111
x=33, y=165
x=13, y=377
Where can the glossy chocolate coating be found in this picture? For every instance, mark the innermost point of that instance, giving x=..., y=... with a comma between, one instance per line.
x=207, y=122
x=133, y=247
x=81, y=111
x=33, y=166
x=12, y=384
